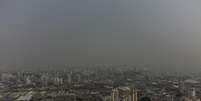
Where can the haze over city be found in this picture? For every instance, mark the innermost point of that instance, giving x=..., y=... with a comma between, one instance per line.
x=162, y=34
x=100, y=50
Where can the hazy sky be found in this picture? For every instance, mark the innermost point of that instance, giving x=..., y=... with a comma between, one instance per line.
x=158, y=33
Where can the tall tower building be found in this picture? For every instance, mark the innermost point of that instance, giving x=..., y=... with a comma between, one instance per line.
x=58, y=81
x=192, y=92
x=115, y=95
x=28, y=80
x=182, y=86
x=192, y=95
x=134, y=96
x=45, y=79
x=70, y=77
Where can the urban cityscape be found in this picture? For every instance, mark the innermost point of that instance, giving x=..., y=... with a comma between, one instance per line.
x=100, y=50
x=99, y=83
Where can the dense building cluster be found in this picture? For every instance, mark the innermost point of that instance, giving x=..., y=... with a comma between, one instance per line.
x=98, y=83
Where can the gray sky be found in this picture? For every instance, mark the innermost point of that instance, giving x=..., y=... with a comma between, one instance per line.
x=158, y=33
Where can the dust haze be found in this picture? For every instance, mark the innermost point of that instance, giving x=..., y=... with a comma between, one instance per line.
x=155, y=33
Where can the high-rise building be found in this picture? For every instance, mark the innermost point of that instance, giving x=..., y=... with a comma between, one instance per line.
x=182, y=86
x=134, y=96
x=58, y=81
x=115, y=95
x=69, y=77
x=124, y=94
x=192, y=92
x=45, y=79
x=28, y=80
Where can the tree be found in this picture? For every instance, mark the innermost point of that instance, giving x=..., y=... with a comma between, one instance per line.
x=145, y=99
